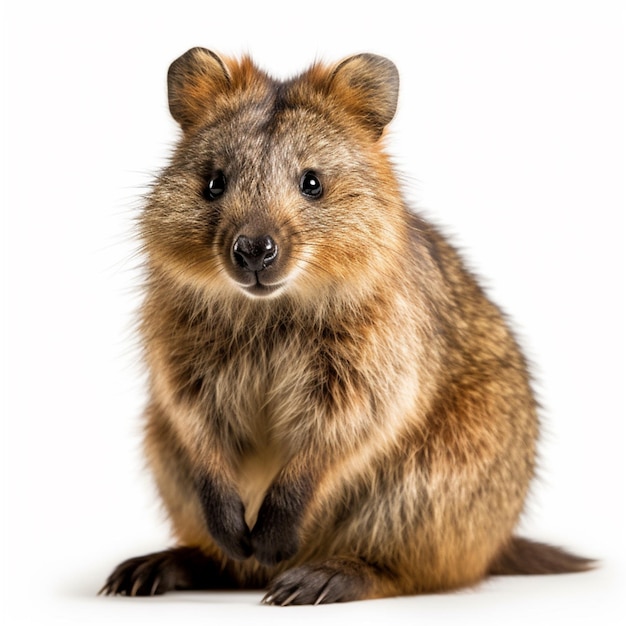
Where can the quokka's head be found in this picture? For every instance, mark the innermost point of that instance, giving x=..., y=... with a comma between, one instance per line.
x=277, y=187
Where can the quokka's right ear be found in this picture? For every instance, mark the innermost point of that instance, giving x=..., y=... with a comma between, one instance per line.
x=193, y=81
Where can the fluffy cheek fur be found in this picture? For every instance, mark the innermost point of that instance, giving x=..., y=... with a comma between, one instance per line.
x=176, y=232
x=345, y=256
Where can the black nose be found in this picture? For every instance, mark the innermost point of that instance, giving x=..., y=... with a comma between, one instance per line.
x=256, y=254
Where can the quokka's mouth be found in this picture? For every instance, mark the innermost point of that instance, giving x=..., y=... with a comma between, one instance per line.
x=259, y=289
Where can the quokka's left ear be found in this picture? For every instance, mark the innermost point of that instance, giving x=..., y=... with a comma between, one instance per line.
x=368, y=84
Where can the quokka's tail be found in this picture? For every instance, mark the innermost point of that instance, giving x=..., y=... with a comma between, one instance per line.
x=522, y=556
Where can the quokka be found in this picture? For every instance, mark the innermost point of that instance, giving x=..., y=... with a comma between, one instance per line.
x=337, y=411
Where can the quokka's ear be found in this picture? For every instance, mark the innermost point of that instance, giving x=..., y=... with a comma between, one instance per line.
x=193, y=80
x=368, y=84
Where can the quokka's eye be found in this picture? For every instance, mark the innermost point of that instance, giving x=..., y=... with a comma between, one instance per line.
x=310, y=185
x=215, y=187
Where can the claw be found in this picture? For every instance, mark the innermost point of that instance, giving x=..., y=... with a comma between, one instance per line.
x=292, y=597
x=135, y=589
x=112, y=590
x=267, y=598
x=155, y=586
x=321, y=596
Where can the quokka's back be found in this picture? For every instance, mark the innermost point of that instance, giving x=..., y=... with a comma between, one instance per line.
x=337, y=412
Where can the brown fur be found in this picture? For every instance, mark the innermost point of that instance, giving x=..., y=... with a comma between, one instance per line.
x=360, y=422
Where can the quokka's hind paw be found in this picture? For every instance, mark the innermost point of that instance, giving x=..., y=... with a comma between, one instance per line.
x=155, y=574
x=336, y=580
x=148, y=575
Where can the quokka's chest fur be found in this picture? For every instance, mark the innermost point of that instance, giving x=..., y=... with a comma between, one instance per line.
x=272, y=374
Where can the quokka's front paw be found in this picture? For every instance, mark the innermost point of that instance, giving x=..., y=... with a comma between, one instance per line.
x=275, y=535
x=232, y=535
x=224, y=514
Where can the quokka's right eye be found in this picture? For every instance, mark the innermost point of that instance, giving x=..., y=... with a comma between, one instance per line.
x=215, y=186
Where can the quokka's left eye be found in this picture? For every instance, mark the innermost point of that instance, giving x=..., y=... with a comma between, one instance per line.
x=310, y=185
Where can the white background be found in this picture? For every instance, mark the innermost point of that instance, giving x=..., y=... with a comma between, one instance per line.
x=509, y=133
